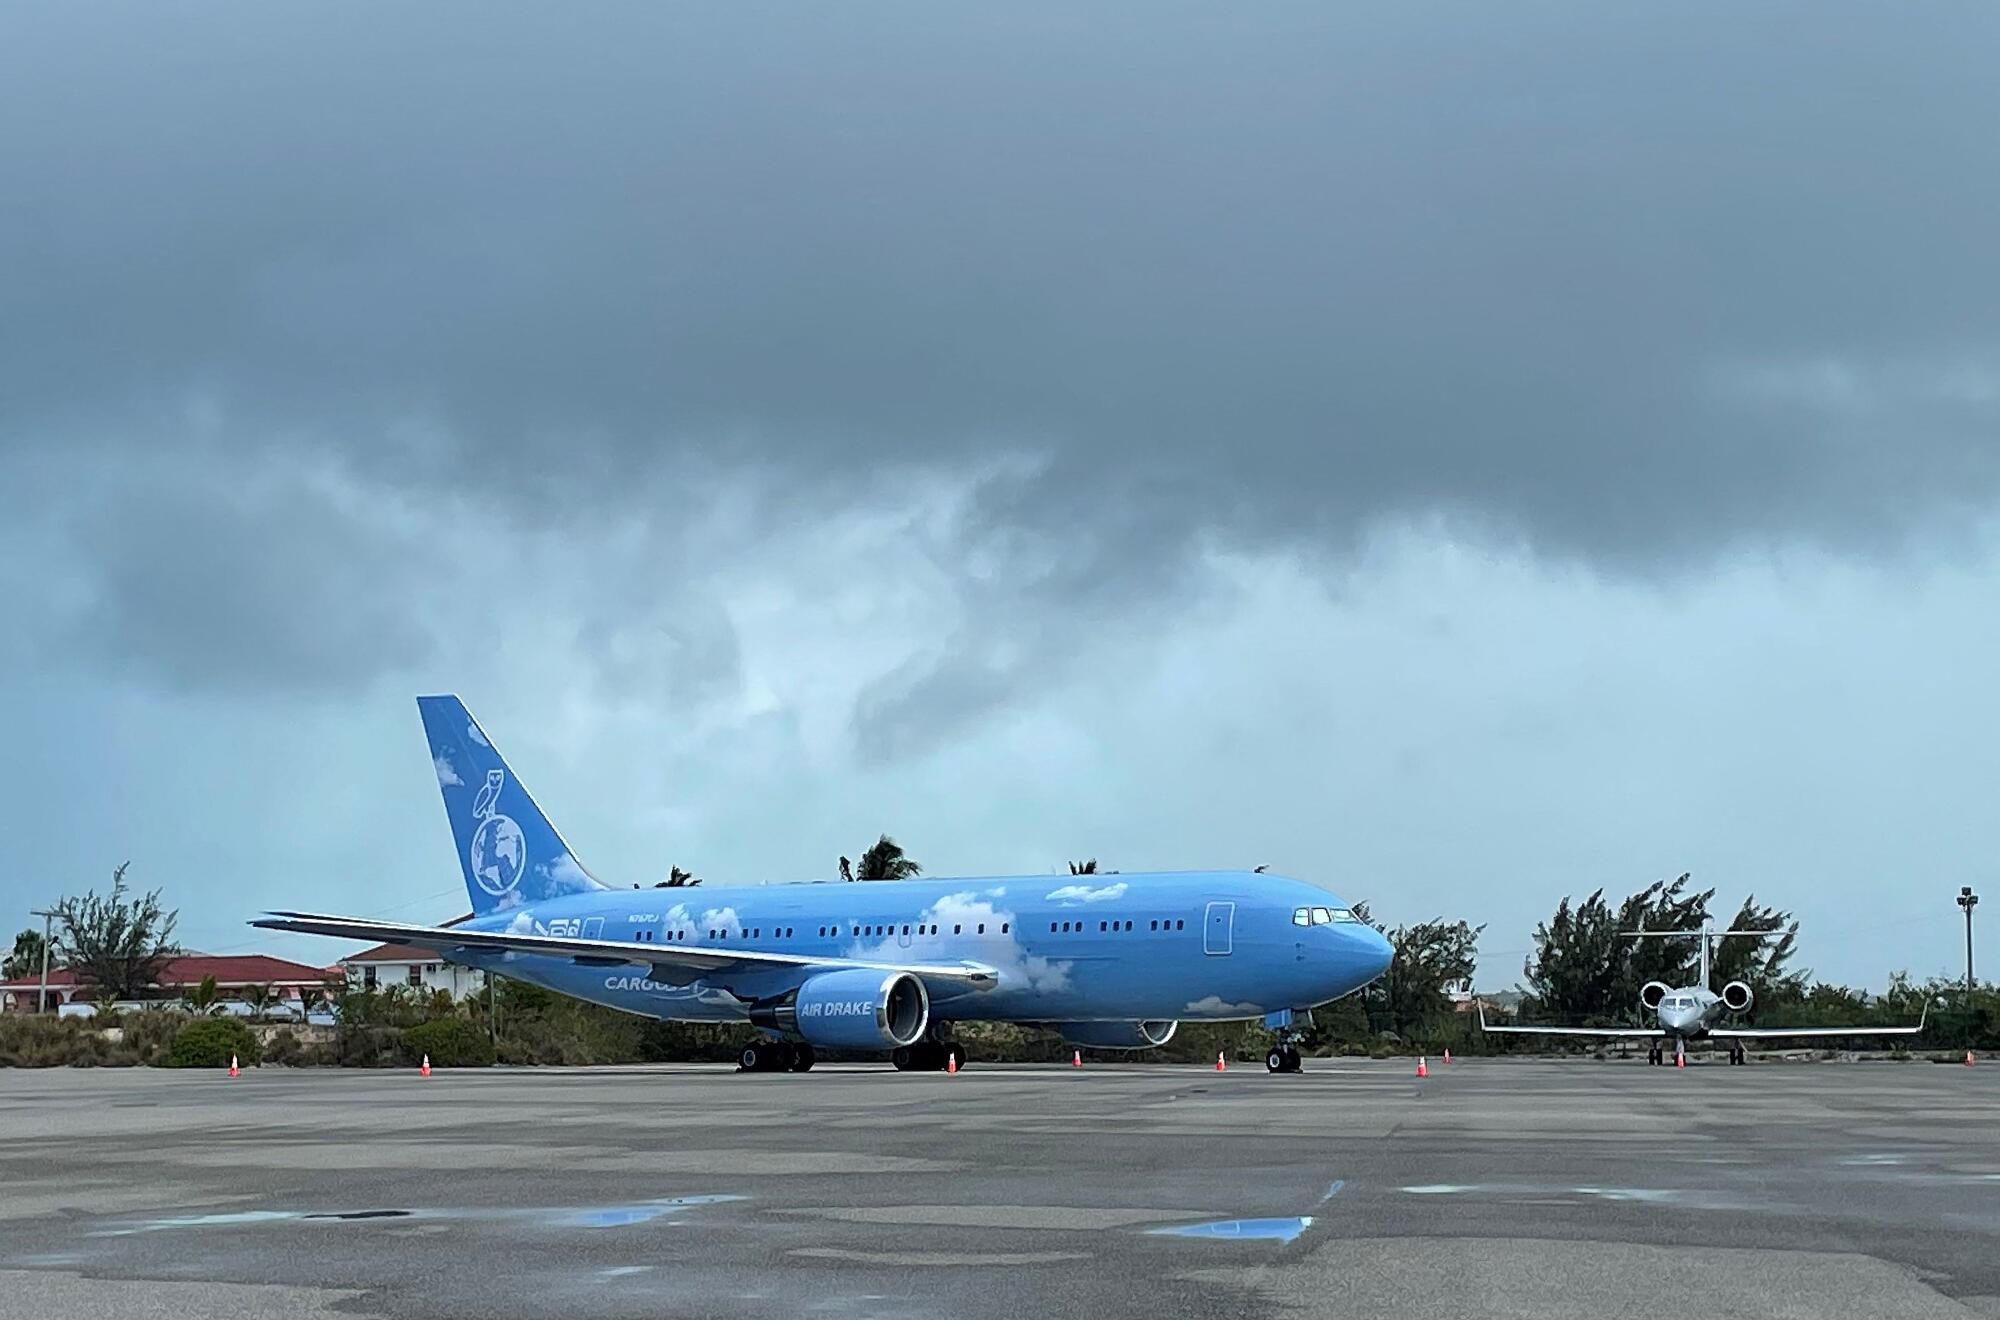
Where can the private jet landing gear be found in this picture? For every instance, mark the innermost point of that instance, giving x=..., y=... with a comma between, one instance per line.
x=1736, y=1056
x=930, y=1056
x=1282, y=1058
x=1655, y=1056
x=775, y=1056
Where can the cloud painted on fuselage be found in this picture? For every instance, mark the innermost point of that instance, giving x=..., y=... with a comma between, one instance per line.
x=1017, y=968
x=1085, y=894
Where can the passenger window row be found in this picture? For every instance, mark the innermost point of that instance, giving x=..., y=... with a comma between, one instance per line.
x=1106, y=927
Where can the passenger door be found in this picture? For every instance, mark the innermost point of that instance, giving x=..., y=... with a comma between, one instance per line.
x=1218, y=929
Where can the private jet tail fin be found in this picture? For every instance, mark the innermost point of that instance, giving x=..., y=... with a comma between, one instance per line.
x=509, y=852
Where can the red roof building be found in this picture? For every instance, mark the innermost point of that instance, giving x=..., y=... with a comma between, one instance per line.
x=287, y=980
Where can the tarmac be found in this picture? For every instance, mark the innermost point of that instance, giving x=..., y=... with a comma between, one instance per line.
x=1491, y=1188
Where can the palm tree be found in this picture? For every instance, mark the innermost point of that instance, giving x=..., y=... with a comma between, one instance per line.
x=678, y=879
x=259, y=998
x=1083, y=868
x=26, y=959
x=885, y=860
x=202, y=998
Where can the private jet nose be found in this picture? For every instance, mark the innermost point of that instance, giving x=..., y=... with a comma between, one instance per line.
x=1676, y=1018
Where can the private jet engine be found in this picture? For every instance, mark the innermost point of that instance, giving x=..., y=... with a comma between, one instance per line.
x=1117, y=1035
x=856, y=1009
x=1736, y=997
x=1651, y=993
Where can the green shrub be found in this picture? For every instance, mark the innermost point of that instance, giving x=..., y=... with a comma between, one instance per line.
x=211, y=1043
x=450, y=1043
x=283, y=1047
x=368, y=1047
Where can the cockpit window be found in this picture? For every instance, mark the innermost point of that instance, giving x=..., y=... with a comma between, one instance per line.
x=1301, y=916
x=1322, y=916
x=1344, y=914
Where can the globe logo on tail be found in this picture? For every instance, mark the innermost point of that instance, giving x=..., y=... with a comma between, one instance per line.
x=498, y=854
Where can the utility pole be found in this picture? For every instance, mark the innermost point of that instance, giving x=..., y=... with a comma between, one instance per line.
x=1968, y=900
x=42, y=994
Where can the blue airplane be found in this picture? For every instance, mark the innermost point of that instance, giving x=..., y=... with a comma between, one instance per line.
x=1109, y=961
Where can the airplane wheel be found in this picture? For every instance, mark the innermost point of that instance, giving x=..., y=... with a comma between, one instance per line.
x=1275, y=1061
x=1292, y=1061
x=903, y=1058
x=802, y=1058
x=756, y=1057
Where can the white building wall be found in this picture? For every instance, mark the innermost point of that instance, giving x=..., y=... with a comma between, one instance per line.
x=430, y=976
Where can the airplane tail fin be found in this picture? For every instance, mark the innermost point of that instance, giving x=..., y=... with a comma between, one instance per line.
x=507, y=848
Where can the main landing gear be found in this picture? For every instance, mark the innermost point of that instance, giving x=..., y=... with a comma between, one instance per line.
x=930, y=1056
x=776, y=1056
x=1736, y=1054
x=1282, y=1058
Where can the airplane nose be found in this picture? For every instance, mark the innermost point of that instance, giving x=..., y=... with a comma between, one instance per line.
x=1376, y=951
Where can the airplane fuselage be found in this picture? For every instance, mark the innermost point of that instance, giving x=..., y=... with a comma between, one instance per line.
x=1189, y=946
x=1689, y=1012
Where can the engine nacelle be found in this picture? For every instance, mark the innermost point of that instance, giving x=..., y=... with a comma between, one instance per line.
x=856, y=1009
x=1736, y=997
x=1651, y=993
x=1118, y=1035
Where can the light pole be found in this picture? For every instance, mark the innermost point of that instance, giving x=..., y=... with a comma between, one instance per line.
x=42, y=993
x=1968, y=900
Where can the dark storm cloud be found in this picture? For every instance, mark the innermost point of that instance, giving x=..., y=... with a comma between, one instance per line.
x=238, y=590
x=1625, y=285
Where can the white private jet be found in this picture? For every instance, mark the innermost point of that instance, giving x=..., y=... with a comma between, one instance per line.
x=1691, y=1012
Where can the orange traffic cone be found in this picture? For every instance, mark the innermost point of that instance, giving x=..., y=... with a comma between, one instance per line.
x=1680, y=1059
x=1968, y=1058
x=234, y=1071
x=1423, y=1069
x=1220, y=1064
x=1076, y=1059
x=424, y=1069
x=1447, y=1056
x=951, y=1061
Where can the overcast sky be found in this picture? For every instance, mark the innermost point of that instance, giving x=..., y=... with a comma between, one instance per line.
x=1458, y=454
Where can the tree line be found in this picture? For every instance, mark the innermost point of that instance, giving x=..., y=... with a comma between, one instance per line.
x=1586, y=968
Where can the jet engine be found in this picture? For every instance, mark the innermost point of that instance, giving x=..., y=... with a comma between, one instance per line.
x=1651, y=993
x=1736, y=997
x=1117, y=1035
x=854, y=1009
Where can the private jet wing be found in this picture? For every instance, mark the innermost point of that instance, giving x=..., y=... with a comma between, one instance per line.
x=1816, y=1033
x=1595, y=1033
x=673, y=963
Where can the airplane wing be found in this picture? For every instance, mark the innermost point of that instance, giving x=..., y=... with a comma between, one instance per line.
x=1593, y=1033
x=673, y=962
x=1816, y=1033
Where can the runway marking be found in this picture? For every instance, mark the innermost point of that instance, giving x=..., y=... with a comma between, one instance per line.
x=1279, y=1230
x=938, y=1258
